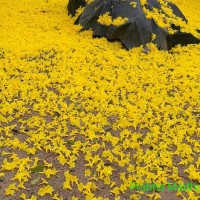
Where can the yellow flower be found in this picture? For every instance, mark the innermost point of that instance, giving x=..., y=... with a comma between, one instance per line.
x=74, y=198
x=62, y=159
x=49, y=172
x=45, y=190
x=134, y=4
x=87, y=172
x=44, y=182
x=33, y=198
x=23, y=196
x=66, y=185
x=115, y=191
x=157, y=196
x=10, y=190
x=89, y=1
x=71, y=178
x=119, y=21
x=105, y=19
x=55, y=197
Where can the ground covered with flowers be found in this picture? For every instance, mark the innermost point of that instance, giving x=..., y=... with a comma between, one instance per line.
x=82, y=118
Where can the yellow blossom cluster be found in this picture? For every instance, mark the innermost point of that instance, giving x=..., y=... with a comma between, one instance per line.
x=89, y=1
x=134, y=4
x=107, y=20
x=81, y=118
x=164, y=17
x=119, y=21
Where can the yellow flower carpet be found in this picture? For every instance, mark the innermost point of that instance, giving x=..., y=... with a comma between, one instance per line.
x=82, y=118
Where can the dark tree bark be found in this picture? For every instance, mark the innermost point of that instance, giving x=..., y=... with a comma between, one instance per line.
x=137, y=30
x=73, y=5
